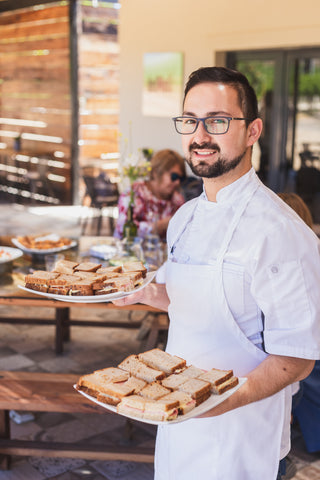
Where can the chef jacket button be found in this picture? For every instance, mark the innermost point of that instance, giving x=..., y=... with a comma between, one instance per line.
x=274, y=269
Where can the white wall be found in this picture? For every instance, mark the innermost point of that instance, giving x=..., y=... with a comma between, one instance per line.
x=200, y=29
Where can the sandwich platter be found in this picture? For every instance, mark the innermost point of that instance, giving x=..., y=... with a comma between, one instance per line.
x=204, y=407
x=44, y=251
x=8, y=254
x=92, y=298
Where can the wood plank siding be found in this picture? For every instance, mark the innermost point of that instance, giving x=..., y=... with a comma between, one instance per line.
x=99, y=84
x=39, y=78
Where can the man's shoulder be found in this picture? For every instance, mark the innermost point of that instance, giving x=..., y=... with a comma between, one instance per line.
x=268, y=213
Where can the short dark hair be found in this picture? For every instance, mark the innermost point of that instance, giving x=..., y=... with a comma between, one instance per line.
x=246, y=94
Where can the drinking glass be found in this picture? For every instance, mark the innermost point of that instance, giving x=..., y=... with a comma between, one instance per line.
x=153, y=252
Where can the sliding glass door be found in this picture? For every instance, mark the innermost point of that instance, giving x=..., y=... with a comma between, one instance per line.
x=287, y=83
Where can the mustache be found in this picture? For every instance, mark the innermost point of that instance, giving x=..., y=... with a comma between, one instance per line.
x=204, y=146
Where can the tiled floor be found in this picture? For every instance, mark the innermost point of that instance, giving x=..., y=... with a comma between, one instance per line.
x=31, y=348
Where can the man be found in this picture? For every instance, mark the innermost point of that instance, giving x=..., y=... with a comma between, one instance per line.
x=241, y=290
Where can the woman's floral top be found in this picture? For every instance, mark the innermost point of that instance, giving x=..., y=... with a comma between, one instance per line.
x=147, y=208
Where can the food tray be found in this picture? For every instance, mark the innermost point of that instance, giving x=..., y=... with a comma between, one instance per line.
x=204, y=407
x=8, y=254
x=93, y=298
x=41, y=251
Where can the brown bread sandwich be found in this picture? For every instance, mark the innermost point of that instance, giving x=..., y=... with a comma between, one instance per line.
x=140, y=407
x=135, y=367
x=39, y=280
x=161, y=360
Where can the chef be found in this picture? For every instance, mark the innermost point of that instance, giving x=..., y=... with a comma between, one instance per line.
x=241, y=289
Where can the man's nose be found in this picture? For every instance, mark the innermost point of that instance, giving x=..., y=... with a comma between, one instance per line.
x=201, y=134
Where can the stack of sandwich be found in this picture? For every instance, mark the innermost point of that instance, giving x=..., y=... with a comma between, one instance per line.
x=87, y=278
x=155, y=385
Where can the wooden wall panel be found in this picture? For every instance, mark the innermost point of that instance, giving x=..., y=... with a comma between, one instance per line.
x=35, y=85
x=98, y=84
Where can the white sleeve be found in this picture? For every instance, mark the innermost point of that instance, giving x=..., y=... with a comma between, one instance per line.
x=285, y=285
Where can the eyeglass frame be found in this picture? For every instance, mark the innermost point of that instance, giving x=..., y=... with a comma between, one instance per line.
x=203, y=119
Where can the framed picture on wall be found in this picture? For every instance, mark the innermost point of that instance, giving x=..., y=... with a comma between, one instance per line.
x=162, y=84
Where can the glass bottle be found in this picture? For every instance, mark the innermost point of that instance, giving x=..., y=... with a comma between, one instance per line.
x=130, y=229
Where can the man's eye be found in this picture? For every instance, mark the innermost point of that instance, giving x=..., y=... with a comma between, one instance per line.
x=215, y=121
x=190, y=121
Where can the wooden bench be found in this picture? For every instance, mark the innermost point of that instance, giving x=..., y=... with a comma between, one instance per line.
x=50, y=392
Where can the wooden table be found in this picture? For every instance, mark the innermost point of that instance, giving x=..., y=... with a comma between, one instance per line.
x=33, y=391
x=11, y=295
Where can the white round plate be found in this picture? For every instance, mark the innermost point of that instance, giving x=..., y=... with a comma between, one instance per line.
x=204, y=407
x=42, y=251
x=8, y=254
x=92, y=298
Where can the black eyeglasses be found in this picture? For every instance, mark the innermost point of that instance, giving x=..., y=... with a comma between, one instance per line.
x=175, y=176
x=213, y=125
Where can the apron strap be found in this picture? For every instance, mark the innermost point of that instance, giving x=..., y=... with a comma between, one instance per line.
x=232, y=227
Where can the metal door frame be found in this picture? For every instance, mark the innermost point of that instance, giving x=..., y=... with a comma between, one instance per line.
x=278, y=172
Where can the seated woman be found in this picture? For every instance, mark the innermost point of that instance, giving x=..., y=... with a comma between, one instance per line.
x=156, y=199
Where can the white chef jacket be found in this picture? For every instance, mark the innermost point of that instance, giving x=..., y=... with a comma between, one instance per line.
x=278, y=258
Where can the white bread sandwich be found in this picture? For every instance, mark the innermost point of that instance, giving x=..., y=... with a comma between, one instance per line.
x=65, y=266
x=216, y=376
x=39, y=280
x=140, y=407
x=227, y=385
x=139, y=369
x=154, y=391
x=186, y=402
x=161, y=360
x=198, y=389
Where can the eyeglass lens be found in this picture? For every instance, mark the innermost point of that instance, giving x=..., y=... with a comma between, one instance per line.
x=214, y=125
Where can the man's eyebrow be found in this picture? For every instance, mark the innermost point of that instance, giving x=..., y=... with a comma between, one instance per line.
x=208, y=114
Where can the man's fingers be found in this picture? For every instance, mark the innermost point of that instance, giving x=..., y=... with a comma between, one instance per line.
x=128, y=300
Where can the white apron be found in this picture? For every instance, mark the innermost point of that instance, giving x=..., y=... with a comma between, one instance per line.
x=243, y=444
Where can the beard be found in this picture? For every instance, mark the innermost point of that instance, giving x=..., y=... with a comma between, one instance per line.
x=221, y=166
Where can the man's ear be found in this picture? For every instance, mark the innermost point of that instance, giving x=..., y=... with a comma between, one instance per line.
x=254, y=131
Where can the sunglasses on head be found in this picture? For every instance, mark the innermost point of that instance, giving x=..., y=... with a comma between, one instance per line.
x=175, y=176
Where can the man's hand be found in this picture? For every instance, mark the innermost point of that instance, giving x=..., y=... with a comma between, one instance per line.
x=268, y=378
x=154, y=294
